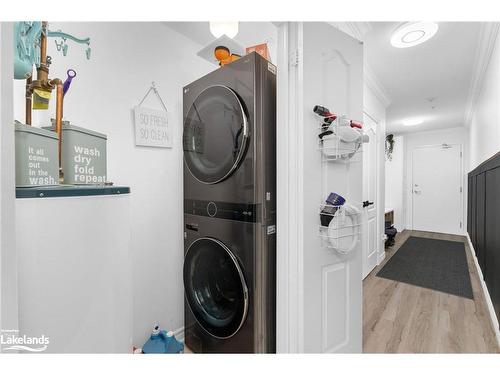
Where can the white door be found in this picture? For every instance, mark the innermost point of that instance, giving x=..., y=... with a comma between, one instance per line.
x=437, y=189
x=370, y=169
x=332, y=73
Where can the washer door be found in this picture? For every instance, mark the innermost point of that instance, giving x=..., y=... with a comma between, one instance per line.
x=215, y=134
x=215, y=287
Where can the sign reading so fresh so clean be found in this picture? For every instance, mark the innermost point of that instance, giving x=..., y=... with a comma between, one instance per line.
x=152, y=128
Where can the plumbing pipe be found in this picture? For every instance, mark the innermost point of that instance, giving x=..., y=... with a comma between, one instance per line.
x=59, y=115
x=42, y=82
x=43, y=44
x=29, y=95
x=42, y=75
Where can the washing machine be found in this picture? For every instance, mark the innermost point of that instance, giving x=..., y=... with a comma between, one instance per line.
x=229, y=144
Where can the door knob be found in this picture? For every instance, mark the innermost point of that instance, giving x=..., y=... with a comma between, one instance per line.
x=367, y=203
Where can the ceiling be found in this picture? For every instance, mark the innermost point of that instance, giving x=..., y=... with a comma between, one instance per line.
x=249, y=34
x=429, y=81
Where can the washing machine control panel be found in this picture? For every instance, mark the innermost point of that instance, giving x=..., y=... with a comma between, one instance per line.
x=221, y=210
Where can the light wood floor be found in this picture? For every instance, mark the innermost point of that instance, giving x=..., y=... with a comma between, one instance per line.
x=402, y=318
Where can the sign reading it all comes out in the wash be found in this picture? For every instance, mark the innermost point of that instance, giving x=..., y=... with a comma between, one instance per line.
x=152, y=128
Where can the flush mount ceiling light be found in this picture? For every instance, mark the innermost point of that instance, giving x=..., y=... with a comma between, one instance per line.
x=413, y=33
x=412, y=121
x=224, y=28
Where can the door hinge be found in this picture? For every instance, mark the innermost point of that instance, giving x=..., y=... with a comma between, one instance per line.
x=294, y=58
x=460, y=224
x=460, y=189
x=460, y=153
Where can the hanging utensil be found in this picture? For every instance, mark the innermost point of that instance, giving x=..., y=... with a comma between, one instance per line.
x=67, y=83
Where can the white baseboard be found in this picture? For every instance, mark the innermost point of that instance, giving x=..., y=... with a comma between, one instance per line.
x=381, y=257
x=489, y=303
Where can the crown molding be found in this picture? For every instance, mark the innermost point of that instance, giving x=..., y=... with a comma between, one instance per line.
x=486, y=44
x=357, y=30
x=373, y=83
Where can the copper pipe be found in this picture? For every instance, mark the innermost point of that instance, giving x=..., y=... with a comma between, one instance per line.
x=59, y=115
x=29, y=96
x=42, y=72
x=43, y=44
x=44, y=83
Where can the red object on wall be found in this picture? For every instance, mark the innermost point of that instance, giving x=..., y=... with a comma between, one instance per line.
x=355, y=124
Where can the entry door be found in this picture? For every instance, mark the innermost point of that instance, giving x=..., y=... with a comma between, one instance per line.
x=370, y=165
x=437, y=189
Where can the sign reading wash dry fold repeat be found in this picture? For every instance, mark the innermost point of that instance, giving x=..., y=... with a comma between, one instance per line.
x=152, y=128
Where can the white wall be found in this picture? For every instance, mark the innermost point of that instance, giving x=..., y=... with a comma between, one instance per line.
x=126, y=57
x=413, y=140
x=484, y=136
x=394, y=169
x=8, y=258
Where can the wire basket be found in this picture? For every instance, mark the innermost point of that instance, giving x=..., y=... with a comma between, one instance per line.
x=332, y=147
x=340, y=227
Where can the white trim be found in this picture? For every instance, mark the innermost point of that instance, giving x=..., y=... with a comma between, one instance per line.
x=8, y=252
x=487, y=38
x=494, y=320
x=282, y=263
x=290, y=174
x=381, y=258
x=380, y=186
x=373, y=83
x=356, y=30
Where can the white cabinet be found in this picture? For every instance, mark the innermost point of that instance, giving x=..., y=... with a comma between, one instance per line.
x=75, y=272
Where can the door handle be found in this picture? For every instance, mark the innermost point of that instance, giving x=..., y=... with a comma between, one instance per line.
x=367, y=203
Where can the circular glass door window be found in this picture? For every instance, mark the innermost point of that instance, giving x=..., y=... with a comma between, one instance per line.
x=215, y=134
x=215, y=287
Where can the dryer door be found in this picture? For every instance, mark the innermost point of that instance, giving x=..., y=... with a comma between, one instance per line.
x=215, y=287
x=215, y=134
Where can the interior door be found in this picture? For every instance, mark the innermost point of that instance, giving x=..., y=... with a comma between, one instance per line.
x=370, y=169
x=437, y=189
x=331, y=64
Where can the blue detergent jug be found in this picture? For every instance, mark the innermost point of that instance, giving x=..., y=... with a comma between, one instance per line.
x=162, y=342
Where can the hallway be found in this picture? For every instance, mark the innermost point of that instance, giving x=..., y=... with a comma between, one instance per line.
x=402, y=318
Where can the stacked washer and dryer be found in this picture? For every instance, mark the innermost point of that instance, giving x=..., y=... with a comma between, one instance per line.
x=229, y=145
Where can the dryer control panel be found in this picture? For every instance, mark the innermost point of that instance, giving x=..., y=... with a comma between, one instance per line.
x=222, y=210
